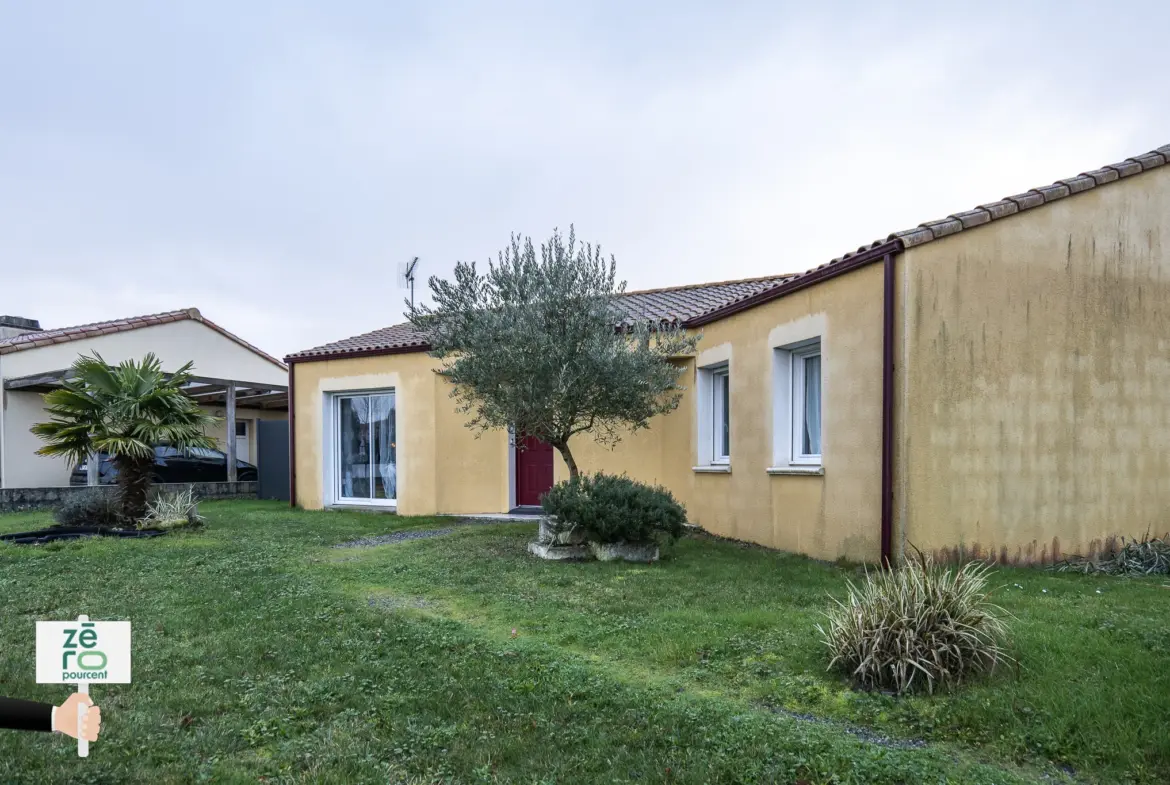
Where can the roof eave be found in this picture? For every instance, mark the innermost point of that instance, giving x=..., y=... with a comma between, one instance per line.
x=811, y=278
x=345, y=355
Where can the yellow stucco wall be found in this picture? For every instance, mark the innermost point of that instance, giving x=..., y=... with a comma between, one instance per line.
x=1034, y=390
x=444, y=468
x=828, y=516
x=1032, y=397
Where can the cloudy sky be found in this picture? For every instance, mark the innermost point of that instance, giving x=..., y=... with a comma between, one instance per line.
x=272, y=162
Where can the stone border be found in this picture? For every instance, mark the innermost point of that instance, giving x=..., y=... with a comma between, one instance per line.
x=22, y=499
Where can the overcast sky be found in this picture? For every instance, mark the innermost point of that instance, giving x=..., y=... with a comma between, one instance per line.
x=271, y=163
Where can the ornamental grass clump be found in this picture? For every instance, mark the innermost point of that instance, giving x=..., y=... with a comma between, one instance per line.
x=173, y=511
x=923, y=626
x=1135, y=558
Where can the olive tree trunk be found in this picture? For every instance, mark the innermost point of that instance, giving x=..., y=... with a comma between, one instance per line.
x=567, y=455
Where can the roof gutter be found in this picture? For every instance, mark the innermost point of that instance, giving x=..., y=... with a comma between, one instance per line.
x=292, y=435
x=314, y=358
x=831, y=270
x=888, y=411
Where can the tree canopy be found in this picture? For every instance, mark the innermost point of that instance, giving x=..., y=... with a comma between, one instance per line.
x=540, y=344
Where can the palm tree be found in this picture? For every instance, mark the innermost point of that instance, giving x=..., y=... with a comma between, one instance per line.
x=124, y=411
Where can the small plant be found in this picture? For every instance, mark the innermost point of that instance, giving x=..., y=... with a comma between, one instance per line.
x=91, y=507
x=921, y=625
x=1136, y=558
x=614, y=509
x=172, y=511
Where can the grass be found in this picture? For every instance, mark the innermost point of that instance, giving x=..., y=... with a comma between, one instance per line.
x=263, y=655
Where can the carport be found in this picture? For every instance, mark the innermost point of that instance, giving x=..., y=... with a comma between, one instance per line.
x=240, y=384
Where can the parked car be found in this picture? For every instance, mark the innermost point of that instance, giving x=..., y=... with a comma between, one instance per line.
x=170, y=465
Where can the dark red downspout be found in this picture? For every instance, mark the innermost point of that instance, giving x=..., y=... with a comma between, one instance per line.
x=888, y=416
x=292, y=434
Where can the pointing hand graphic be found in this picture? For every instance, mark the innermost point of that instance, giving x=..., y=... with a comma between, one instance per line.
x=65, y=718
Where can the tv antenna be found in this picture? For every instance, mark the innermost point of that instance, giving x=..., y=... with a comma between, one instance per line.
x=406, y=277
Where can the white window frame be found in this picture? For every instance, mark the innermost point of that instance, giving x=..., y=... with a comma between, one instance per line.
x=332, y=479
x=797, y=363
x=788, y=405
x=720, y=424
x=710, y=402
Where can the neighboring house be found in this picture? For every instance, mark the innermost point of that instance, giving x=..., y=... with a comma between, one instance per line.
x=996, y=383
x=33, y=361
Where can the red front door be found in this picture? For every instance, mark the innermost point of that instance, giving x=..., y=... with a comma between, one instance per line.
x=534, y=470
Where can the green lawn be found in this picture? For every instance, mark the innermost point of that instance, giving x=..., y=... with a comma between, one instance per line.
x=261, y=654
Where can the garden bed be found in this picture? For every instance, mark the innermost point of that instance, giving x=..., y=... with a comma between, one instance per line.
x=56, y=533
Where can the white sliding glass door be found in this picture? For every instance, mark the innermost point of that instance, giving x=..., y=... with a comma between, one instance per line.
x=365, y=448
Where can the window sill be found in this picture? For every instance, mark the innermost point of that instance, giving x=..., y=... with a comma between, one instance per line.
x=816, y=471
x=715, y=468
x=373, y=506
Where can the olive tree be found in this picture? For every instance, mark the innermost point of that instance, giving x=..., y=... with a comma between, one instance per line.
x=538, y=342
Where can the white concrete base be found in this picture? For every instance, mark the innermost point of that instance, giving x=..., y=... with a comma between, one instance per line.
x=492, y=516
x=553, y=531
x=558, y=552
x=625, y=551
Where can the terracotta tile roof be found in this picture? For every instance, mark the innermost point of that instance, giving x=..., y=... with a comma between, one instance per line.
x=1045, y=194
x=680, y=303
x=387, y=340
x=952, y=224
x=700, y=304
x=33, y=340
x=671, y=304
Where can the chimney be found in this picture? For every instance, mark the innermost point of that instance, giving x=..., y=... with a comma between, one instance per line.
x=12, y=326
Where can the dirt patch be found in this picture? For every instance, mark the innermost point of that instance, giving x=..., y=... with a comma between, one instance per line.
x=864, y=734
x=397, y=603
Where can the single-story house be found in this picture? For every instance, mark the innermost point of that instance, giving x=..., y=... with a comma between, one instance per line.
x=233, y=380
x=994, y=383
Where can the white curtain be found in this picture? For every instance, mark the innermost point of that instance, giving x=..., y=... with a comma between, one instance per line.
x=368, y=448
x=355, y=445
x=812, y=405
x=383, y=417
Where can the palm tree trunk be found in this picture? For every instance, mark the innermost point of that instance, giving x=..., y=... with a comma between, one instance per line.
x=133, y=485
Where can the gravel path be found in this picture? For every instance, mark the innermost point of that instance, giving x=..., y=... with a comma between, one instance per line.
x=423, y=534
x=386, y=539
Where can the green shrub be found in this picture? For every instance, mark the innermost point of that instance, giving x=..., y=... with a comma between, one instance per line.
x=91, y=507
x=172, y=510
x=614, y=509
x=922, y=625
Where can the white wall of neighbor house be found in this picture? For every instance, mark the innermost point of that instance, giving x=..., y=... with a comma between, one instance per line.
x=23, y=467
x=26, y=469
x=214, y=354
